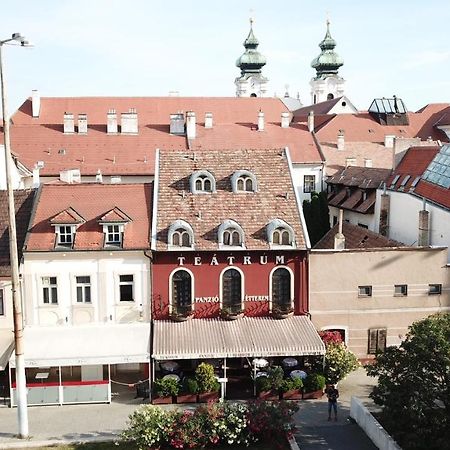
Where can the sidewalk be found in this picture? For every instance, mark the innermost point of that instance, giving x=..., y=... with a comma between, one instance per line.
x=50, y=425
x=316, y=433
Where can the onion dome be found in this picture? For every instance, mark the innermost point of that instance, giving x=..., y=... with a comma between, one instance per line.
x=251, y=61
x=328, y=62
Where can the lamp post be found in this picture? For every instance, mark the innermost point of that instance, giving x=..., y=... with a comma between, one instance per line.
x=22, y=413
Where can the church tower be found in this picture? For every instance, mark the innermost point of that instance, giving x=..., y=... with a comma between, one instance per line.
x=327, y=84
x=251, y=83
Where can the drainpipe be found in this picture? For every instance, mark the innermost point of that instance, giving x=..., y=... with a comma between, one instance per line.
x=151, y=367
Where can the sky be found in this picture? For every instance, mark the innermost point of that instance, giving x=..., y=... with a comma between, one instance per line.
x=148, y=48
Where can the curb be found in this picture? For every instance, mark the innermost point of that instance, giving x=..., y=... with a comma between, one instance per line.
x=22, y=444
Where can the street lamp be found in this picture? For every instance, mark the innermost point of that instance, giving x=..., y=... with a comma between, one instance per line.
x=22, y=412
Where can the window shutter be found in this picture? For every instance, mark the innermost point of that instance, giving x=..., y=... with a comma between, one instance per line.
x=372, y=342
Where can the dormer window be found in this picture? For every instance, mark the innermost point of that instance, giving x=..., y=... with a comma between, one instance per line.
x=65, y=235
x=180, y=235
x=66, y=223
x=279, y=233
x=202, y=181
x=114, y=222
x=243, y=181
x=231, y=234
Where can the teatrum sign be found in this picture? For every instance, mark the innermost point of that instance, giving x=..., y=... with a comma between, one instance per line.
x=231, y=260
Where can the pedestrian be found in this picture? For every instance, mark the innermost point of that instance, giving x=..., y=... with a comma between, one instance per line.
x=332, y=395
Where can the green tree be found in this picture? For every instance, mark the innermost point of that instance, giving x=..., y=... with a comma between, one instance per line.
x=414, y=385
x=316, y=216
x=339, y=362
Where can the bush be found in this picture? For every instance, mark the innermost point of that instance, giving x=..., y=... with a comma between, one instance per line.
x=206, y=380
x=263, y=384
x=190, y=386
x=291, y=384
x=314, y=382
x=339, y=362
x=167, y=387
x=275, y=376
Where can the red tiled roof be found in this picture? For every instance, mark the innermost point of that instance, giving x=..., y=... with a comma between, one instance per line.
x=367, y=205
x=42, y=139
x=69, y=215
x=433, y=192
x=363, y=177
x=91, y=201
x=318, y=108
x=114, y=215
x=356, y=237
x=274, y=198
x=23, y=204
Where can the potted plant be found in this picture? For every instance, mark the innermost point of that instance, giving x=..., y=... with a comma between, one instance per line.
x=291, y=388
x=189, y=391
x=314, y=384
x=268, y=388
x=165, y=390
x=181, y=314
x=231, y=313
x=282, y=312
x=208, y=386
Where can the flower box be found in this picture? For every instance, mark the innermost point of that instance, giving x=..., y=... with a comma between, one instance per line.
x=208, y=397
x=162, y=400
x=313, y=394
x=268, y=395
x=293, y=394
x=186, y=398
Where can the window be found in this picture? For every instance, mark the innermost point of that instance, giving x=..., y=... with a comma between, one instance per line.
x=243, y=181
x=181, y=238
x=49, y=290
x=126, y=288
x=2, y=303
x=368, y=163
x=434, y=289
x=335, y=220
x=330, y=96
x=181, y=292
x=350, y=162
x=113, y=235
x=83, y=289
x=363, y=225
x=180, y=234
x=377, y=340
x=281, y=288
x=280, y=233
x=364, y=291
x=309, y=183
x=65, y=236
x=232, y=290
x=230, y=234
x=401, y=290
x=202, y=181
x=281, y=236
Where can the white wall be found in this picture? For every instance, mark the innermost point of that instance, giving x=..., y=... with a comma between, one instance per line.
x=104, y=269
x=354, y=218
x=404, y=219
x=15, y=176
x=6, y=321
x=298, y=173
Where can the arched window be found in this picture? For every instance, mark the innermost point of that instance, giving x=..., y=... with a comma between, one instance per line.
x=180, y=234
x=280, y=233
x=202, y=181
x=330, y=96
x=232, y=290
x=281, y=289
x=230, y=234
x=181, y=292
x=243, y=181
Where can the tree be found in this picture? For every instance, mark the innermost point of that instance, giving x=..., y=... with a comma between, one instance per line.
x=316, y=216
x=414, y=385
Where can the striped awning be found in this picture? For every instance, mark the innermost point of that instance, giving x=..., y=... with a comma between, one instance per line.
x=245, y=337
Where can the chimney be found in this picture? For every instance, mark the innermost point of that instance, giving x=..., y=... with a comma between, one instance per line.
x=82, y=123
x=424, y=221
x=111, y=124
x=177, y=123
x=36, y=178
x=311, y=121
x=339, y=238
x=35, y=103
x=341, y=140
x=384, y=212
x=208, y=120
x=389, y=140
x=285, y=119
x=69, y=123
x=190, y=125
x=129, y=122
x=260, y=121
x=99, y=176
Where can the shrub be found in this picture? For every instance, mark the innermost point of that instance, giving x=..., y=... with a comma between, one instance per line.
x=314, y=382
x=167, y=387
x=190, y=386
x=275, y=376
x=232, y=427
x=291, y=384
x=207, y=382
x=339, y=362
x=263, y=384
x=297, y=383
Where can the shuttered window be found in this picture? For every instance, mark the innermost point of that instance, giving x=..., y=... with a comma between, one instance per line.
x=377, y=340
x=281, y=288
x=181, y=291
x=232, y=290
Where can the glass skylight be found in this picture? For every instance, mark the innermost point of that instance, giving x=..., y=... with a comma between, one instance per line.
x=438, y=172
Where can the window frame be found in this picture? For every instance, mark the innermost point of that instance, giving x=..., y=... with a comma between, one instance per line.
x=83, y=287
x=431, y=286
x=2, y=302
x=60, y=234
x=291, y=287
x=402, y=290
x=126, y=283
x=202, y=176
x=379, y=334
x=369, y=289
x=230, y=226
x=51, y=289
x=174, y=229
x=307, y=185
x=221, y=288
x=243, y=176
x=172, y=306
x=108, y=233
x=280, y=226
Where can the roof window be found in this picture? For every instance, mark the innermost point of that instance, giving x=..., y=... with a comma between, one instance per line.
x=202, y=182
x=180, y=235
x=231, y=234
x=243, y=181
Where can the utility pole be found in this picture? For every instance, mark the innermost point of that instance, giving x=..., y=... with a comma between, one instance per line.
x=21, y=388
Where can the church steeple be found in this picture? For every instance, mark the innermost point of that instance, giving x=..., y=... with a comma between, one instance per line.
x=251, y=83
x=327, y=84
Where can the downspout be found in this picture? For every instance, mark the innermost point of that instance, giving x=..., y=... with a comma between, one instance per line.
x=150, y=365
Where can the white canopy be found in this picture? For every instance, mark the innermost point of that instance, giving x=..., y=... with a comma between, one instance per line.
x=6, y=347
x=85, y=345
x=245, y=337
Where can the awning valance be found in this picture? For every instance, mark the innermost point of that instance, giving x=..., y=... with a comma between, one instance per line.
x=6, y=347
x=84, y=345
x=245, y=337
